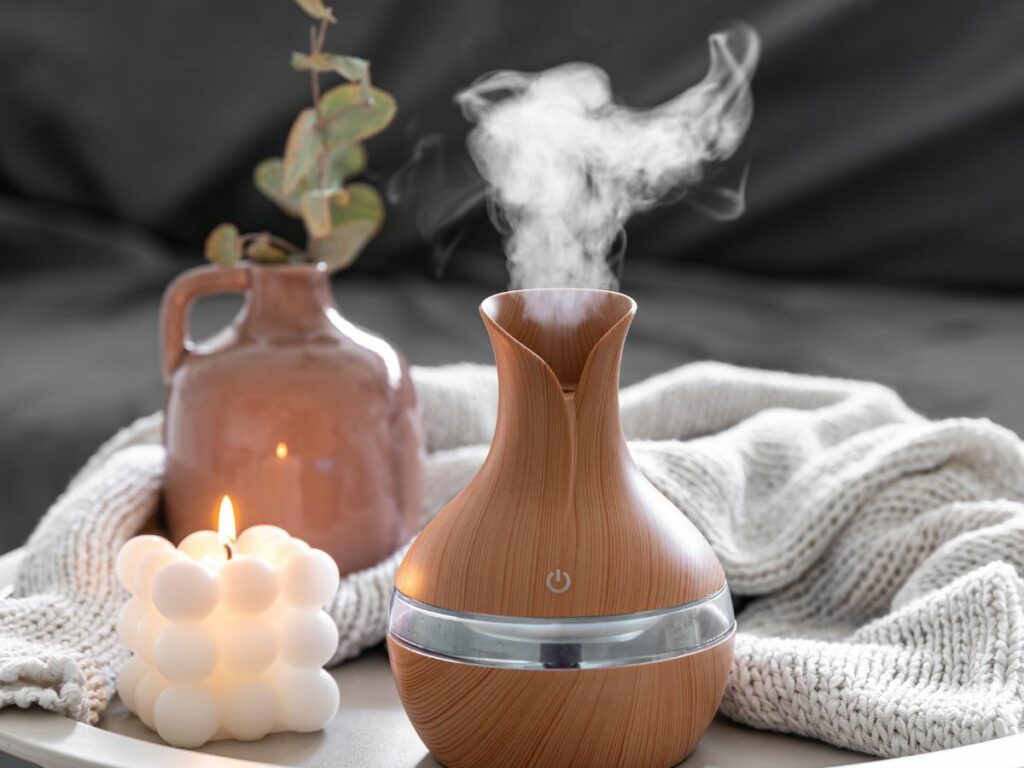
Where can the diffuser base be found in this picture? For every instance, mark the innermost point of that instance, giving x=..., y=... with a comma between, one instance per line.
x=639, y=716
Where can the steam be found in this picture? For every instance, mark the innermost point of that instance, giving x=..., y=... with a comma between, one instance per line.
x=566, y=166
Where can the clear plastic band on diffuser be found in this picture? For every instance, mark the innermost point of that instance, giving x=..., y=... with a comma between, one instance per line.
x=562, y=643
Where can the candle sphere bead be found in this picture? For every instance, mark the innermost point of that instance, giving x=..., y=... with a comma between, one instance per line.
x=185, y=652
x=202, y=544
x=249, y=645
x=131, y=616
x=129, y=558
x=132, y=672
x=257, y=539
x=185, y=591
x=309, y=578
x=185, y=715
x=248, y=585
x=250, y=710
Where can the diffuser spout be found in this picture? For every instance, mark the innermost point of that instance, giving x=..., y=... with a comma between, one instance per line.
x=558, y=353
x=563, y=328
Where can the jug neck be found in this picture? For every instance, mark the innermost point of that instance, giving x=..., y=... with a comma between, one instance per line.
x=287, y=300
x=558, y=354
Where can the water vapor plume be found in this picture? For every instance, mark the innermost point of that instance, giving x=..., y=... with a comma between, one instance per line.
x=566, y=166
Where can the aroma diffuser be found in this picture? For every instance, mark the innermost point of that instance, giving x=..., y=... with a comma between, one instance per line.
x=560, y=611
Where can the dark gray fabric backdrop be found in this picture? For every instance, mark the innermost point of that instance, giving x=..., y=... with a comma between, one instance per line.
x=885, y=142
x=882, y=238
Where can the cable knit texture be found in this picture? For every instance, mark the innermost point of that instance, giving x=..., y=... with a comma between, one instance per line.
x=877, y=555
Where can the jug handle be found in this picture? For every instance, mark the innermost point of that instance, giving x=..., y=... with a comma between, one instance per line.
x=175, y=340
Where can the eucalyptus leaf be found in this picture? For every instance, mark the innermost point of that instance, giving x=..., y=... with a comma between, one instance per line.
x=350, y=67
x=352, y=117
x=317, y=10
x=316, y=212
x=304, y=62
x=353, y=225
x=346, y=161
x=300, y=151
x=223, y=245
x=269, y=179
x=263, y=249
x=358, y=201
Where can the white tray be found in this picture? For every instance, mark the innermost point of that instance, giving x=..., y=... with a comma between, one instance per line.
x=372, y=730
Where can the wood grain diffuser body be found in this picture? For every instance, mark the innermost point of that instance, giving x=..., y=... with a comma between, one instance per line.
x=560, y=611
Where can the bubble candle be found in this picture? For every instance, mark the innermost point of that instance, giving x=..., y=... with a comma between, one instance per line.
x=228, y=637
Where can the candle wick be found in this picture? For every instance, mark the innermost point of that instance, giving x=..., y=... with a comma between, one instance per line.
x=227, y=548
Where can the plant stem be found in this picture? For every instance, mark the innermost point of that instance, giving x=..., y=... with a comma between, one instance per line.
x=280, y=242
x=316, y=45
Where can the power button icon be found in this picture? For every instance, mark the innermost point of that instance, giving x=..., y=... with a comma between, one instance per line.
x=558, y=581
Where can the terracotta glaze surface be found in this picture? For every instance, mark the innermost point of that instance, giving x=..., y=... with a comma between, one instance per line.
x=559, y=491
x=306, y=420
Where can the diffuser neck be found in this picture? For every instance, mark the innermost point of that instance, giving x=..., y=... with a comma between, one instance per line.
x=558, y=354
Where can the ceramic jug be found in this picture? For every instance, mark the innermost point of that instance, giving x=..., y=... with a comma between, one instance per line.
x=304, y=419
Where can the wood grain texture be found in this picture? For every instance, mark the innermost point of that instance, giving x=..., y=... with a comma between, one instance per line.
x=642, y=716
x=559, y=489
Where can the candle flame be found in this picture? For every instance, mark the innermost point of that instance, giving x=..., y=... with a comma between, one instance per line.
x=282, y=450
x=226, y=525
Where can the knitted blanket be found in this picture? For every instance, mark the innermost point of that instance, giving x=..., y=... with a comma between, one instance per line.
x=876, y=555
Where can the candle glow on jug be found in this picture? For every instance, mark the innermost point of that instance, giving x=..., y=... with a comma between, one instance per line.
x=227, y=633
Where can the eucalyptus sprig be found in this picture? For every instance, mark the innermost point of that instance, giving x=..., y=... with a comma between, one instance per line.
x=324, y=150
